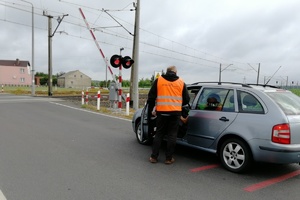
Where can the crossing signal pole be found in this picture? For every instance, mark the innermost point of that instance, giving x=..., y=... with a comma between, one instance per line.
x=117, y=61
x=127, y=60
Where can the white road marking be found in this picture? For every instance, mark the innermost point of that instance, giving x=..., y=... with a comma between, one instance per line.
x=27, y=99
x=2, y=197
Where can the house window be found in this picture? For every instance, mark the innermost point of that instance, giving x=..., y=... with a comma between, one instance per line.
x=22, y=80
x=81, y=76
x=22, y=70
x=75, y=75
x=72, y=82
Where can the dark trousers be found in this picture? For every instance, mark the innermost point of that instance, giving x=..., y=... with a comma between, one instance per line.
x=166, y=126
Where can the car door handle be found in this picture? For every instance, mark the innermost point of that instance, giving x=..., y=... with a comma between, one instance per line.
x=224, y=119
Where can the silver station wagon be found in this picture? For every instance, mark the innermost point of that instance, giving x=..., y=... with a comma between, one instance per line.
x=240, y=123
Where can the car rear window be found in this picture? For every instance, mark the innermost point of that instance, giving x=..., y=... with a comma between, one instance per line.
x=288, y=102
x=247, y=103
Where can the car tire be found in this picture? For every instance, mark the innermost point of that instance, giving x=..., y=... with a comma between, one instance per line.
x=235, y=155
x=142, y=140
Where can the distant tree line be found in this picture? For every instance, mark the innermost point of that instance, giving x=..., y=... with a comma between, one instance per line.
x=143, y=83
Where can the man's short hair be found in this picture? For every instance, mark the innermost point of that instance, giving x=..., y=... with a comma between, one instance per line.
x=172, y=69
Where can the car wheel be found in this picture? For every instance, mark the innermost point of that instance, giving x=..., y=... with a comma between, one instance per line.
x=141, y=139
x=235, y=155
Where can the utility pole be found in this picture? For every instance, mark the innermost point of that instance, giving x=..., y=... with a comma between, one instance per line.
x=134, y=89
x=49, y=55
x=257, y=81
x=220, y=71
x=50, y=35
x=258, y=69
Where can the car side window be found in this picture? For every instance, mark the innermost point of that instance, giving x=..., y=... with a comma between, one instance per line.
x=213, y=99
x=193, y=93
x=249, y=103
x=229, y=104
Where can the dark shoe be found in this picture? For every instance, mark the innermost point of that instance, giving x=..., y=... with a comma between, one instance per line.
x=153, y=160
x=168, y=162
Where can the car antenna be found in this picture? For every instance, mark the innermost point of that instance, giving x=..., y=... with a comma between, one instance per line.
x=272, y=76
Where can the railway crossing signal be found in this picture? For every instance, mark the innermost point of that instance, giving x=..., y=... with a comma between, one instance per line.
x=117, y=60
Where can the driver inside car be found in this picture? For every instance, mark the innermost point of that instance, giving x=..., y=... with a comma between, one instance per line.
x=213, y=102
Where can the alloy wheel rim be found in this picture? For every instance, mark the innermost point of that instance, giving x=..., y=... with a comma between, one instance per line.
x=234, y=155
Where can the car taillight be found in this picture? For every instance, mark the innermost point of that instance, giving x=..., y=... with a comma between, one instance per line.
x=281, y=134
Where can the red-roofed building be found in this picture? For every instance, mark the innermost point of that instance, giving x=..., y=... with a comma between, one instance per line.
x=15, y=72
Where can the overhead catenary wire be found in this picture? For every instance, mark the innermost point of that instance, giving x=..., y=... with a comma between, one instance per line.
x=206, y=53
x=143, y=51
x=96, y=42
x=74, y=21
x=209, y=60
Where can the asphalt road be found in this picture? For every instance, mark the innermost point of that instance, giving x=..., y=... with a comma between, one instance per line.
x=51, y=149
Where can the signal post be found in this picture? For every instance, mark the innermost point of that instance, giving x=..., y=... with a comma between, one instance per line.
x=117, y=61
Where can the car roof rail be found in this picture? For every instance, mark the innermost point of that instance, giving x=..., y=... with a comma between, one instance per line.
x=220, y=83
x=263, y=85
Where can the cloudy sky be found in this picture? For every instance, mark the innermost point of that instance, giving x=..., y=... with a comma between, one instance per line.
x=243, y=36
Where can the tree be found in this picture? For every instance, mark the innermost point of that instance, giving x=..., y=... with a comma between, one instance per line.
x=145, y=83
x=44, y=78
x=60, y=74
x=41, y=74
x=152, y=79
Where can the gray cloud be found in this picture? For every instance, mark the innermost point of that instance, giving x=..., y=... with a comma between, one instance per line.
x=196, y=36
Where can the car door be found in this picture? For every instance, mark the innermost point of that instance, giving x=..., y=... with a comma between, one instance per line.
x=144, y=122
x=206, y=123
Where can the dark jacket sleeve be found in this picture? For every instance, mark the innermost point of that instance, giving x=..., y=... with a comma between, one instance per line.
x=152, y=97
x=185, y=95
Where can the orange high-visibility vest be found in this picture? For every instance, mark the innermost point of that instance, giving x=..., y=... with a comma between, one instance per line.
x=169, y=95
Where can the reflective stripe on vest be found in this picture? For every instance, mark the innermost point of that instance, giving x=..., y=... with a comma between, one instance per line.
x=169, y=95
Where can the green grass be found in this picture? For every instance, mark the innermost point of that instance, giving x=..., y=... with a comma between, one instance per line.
x=42, y=90
x=111, y=112
x=57, y=91
x=296, y=91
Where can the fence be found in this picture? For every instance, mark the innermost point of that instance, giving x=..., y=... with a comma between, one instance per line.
x=102, y=100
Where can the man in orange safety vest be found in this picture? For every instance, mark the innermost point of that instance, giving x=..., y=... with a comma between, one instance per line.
x=168, y=93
